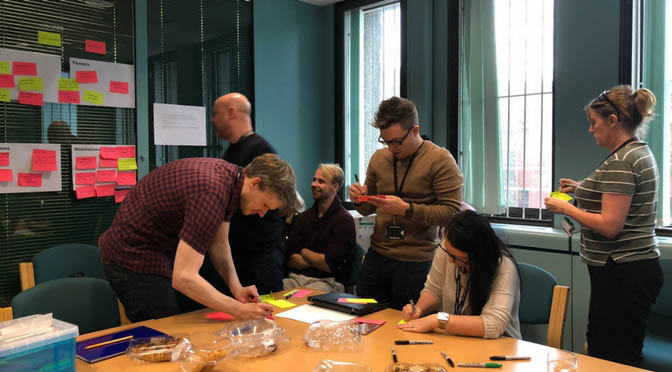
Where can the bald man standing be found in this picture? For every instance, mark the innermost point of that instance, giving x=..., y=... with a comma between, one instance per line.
x=257, y=244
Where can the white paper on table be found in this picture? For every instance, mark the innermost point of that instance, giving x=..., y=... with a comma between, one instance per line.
x=179, y=125
x=311, y=314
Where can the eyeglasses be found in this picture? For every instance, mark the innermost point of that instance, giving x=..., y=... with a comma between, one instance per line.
x=454, y=257
x=604, y=96
x=396, y=141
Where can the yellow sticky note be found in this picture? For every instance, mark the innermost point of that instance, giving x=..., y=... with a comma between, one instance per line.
x=48, y=38
x=30, y=83
x=267, y=298
x=402, y=322
x=5, y=67
x=561, y=196
x=127, y=164
x=68, y=84
x=5, y=95
x=361, y=300
x=283, y=304
x=94, y=97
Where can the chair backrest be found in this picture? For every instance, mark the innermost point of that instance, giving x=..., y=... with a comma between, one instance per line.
x=356, y=264
x=90, y=303
x=68, y=260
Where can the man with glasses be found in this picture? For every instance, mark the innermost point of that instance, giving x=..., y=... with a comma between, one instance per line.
x=414, y=187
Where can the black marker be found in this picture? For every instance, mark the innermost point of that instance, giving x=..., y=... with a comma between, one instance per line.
x=447, y=358
x=394, y=355
x=356, y=178
x=413, y=342
x=498, y=357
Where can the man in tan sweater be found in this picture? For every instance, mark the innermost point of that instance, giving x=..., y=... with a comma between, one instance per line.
x=419, y=187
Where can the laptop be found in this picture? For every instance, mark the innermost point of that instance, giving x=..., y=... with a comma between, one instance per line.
x=330, y=301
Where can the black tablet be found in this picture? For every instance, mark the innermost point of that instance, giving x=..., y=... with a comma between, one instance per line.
x=330, y=301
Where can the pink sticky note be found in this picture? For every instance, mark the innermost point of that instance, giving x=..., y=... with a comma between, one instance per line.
x=126, y=151
x=84, y=192
x=85, y=77
x=30, y=179
x=67, y=96
x=4, y=159
x=85, y=162
x=6, y=175
x=44, y=160
x=106, y=175
x=218, y=316
x=108, y=163
x=126, y=178
x=30, y=98
x=7, y=81
x=85, y=178
x=301, y=293
x=343, y=300
x=92, y=46
x=120, y=195
x=120, y=87
x=24, y=68
x=369, y=321
x=104, y=190
x=110, y=153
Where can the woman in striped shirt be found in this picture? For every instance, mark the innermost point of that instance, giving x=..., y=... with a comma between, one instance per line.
x=617, y=212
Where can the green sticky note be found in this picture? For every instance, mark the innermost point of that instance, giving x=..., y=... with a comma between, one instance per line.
x=267, y=298
x=561, y=196
x=68, y=84
x=30, y=83
x=5, y=67
x=48, y=38
x=402, y=322
x=94, y=97
x=5, y=95
x=283, y=304
x=127, y=164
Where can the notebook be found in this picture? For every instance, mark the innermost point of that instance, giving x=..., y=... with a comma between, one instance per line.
x=330, y=301
x=104, y=352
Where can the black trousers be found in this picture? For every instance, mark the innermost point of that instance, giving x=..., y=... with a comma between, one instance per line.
x=391, y=281
x=621, y=296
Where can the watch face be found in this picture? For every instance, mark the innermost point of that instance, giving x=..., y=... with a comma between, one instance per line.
x=443, y=317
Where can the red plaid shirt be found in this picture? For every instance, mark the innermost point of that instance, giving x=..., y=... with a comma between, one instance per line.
x=185, y=199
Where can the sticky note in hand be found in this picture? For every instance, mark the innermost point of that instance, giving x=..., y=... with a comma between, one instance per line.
x=560, y=195
x=402, y=322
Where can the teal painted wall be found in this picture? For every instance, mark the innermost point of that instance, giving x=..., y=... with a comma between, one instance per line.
x=294, y=83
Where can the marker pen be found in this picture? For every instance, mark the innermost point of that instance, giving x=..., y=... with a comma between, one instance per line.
x=480, y=365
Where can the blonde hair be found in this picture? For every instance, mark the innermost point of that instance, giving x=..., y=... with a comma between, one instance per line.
x=277, y=176
x=334, y=172
x=634, y=108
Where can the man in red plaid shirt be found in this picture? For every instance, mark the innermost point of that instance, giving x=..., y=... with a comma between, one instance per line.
x=176, y=214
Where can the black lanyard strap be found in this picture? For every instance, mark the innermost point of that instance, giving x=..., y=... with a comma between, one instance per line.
x=460, y=297
x=631, y=139
x=397, y=190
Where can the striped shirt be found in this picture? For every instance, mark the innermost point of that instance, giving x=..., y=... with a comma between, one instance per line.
x=631, y=170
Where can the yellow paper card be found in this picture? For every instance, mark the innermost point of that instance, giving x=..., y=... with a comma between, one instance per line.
x=48, y=38
x=5, y=95
x=561, y=196
x=361, y=300
x=127, y=164
x=68, y=84
x=283, y=304
x=94, y=97
x=5, y=67
x=402, y=322
x=267, y=298
x=30, y=83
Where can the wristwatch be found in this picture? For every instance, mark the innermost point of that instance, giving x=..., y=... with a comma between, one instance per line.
x=409, y=212
x=443, y=319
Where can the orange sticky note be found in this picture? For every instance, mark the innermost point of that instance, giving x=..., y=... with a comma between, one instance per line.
x=30, y=98
x=85, y=178
x=6, y=175
x=126, y=178
x=44, y=160
x=85, y=162
x=24, y=68
x=104, y=190
x=120, y=87
x=106, y=175
x=92, y=46
x=66, y=96
x=84, y=192
x=108, y=163
x=120, y=195
x=4, y=159
x=126, y=151
x=87, y=77
x=30, y=179
x=7, y=81
x=111, y=153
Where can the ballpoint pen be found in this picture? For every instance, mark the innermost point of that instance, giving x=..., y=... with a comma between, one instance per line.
x=505, y=357
x=480, y=365
x=413, y=308
x=394, y=355
x=447, y=358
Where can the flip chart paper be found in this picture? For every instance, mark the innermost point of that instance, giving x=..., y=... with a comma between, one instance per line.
x=179, y=125
x=18, y=157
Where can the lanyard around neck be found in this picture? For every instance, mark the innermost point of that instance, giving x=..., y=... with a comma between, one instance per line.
x=460, y=297
x=631, y=139
x=397, y=191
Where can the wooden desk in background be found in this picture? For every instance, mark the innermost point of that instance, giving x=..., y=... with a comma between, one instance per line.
x=376, y=349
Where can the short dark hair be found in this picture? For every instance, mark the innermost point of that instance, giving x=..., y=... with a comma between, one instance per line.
x=396, y=110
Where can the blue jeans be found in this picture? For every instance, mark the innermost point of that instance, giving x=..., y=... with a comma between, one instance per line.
x=391, y=281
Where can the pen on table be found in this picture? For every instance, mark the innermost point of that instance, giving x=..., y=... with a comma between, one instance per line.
x=480, y=365
x=394, y=355
x=413, y=342
x=356, y=178
x=447, y=358
x=290, y=294
x=109, y=342
x=506, y=357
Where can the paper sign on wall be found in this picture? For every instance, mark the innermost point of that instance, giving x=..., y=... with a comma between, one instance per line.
x=88, y=169
x=179, y=125
x=31, y=66
x=24, y=160
x=105, y=73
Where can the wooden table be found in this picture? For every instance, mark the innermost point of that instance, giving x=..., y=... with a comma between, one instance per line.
x=376, y=349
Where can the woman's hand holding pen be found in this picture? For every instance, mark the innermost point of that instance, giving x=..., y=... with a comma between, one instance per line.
x=567, y=185
x=411, y=312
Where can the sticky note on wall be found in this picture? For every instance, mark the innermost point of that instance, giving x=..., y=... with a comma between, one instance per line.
x=68, y=84
x=93, y=97
x=92, y=46
x=30, y=83
x=48, y=38
x=5, y=67
x=5, y=95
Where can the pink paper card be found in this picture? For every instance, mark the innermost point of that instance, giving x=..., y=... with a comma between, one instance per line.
x=24, y=68
x=120, y=87
x=218, y=316
x=85, y=162
x=110, y=153
x=84, y=192
x=44, y=160
x=126, y=151
x=6, y=175
x=85, y=178
x=126, y=178
x=87, y=77
x=108, y=163
x=30, y=98
x=369, y=321
x=92, y=46
x=68, y=96
x=106, y=175
x=302, y=293
x=104, y=190
x=120, y=195
x=7, y=81
x=4, y=159
x=30, y=179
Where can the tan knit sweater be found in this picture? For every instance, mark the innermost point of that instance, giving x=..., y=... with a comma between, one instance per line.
x=433, y=185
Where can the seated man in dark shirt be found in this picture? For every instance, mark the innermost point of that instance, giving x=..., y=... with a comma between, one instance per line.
x=321, y=243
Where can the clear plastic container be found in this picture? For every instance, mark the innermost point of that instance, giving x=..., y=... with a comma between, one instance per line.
x=335, y=366
x=334, y=336
x=409, y=367
x=159, y=348
x=254, y=338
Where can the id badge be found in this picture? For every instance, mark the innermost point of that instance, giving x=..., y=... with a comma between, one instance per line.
x=394, y=232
